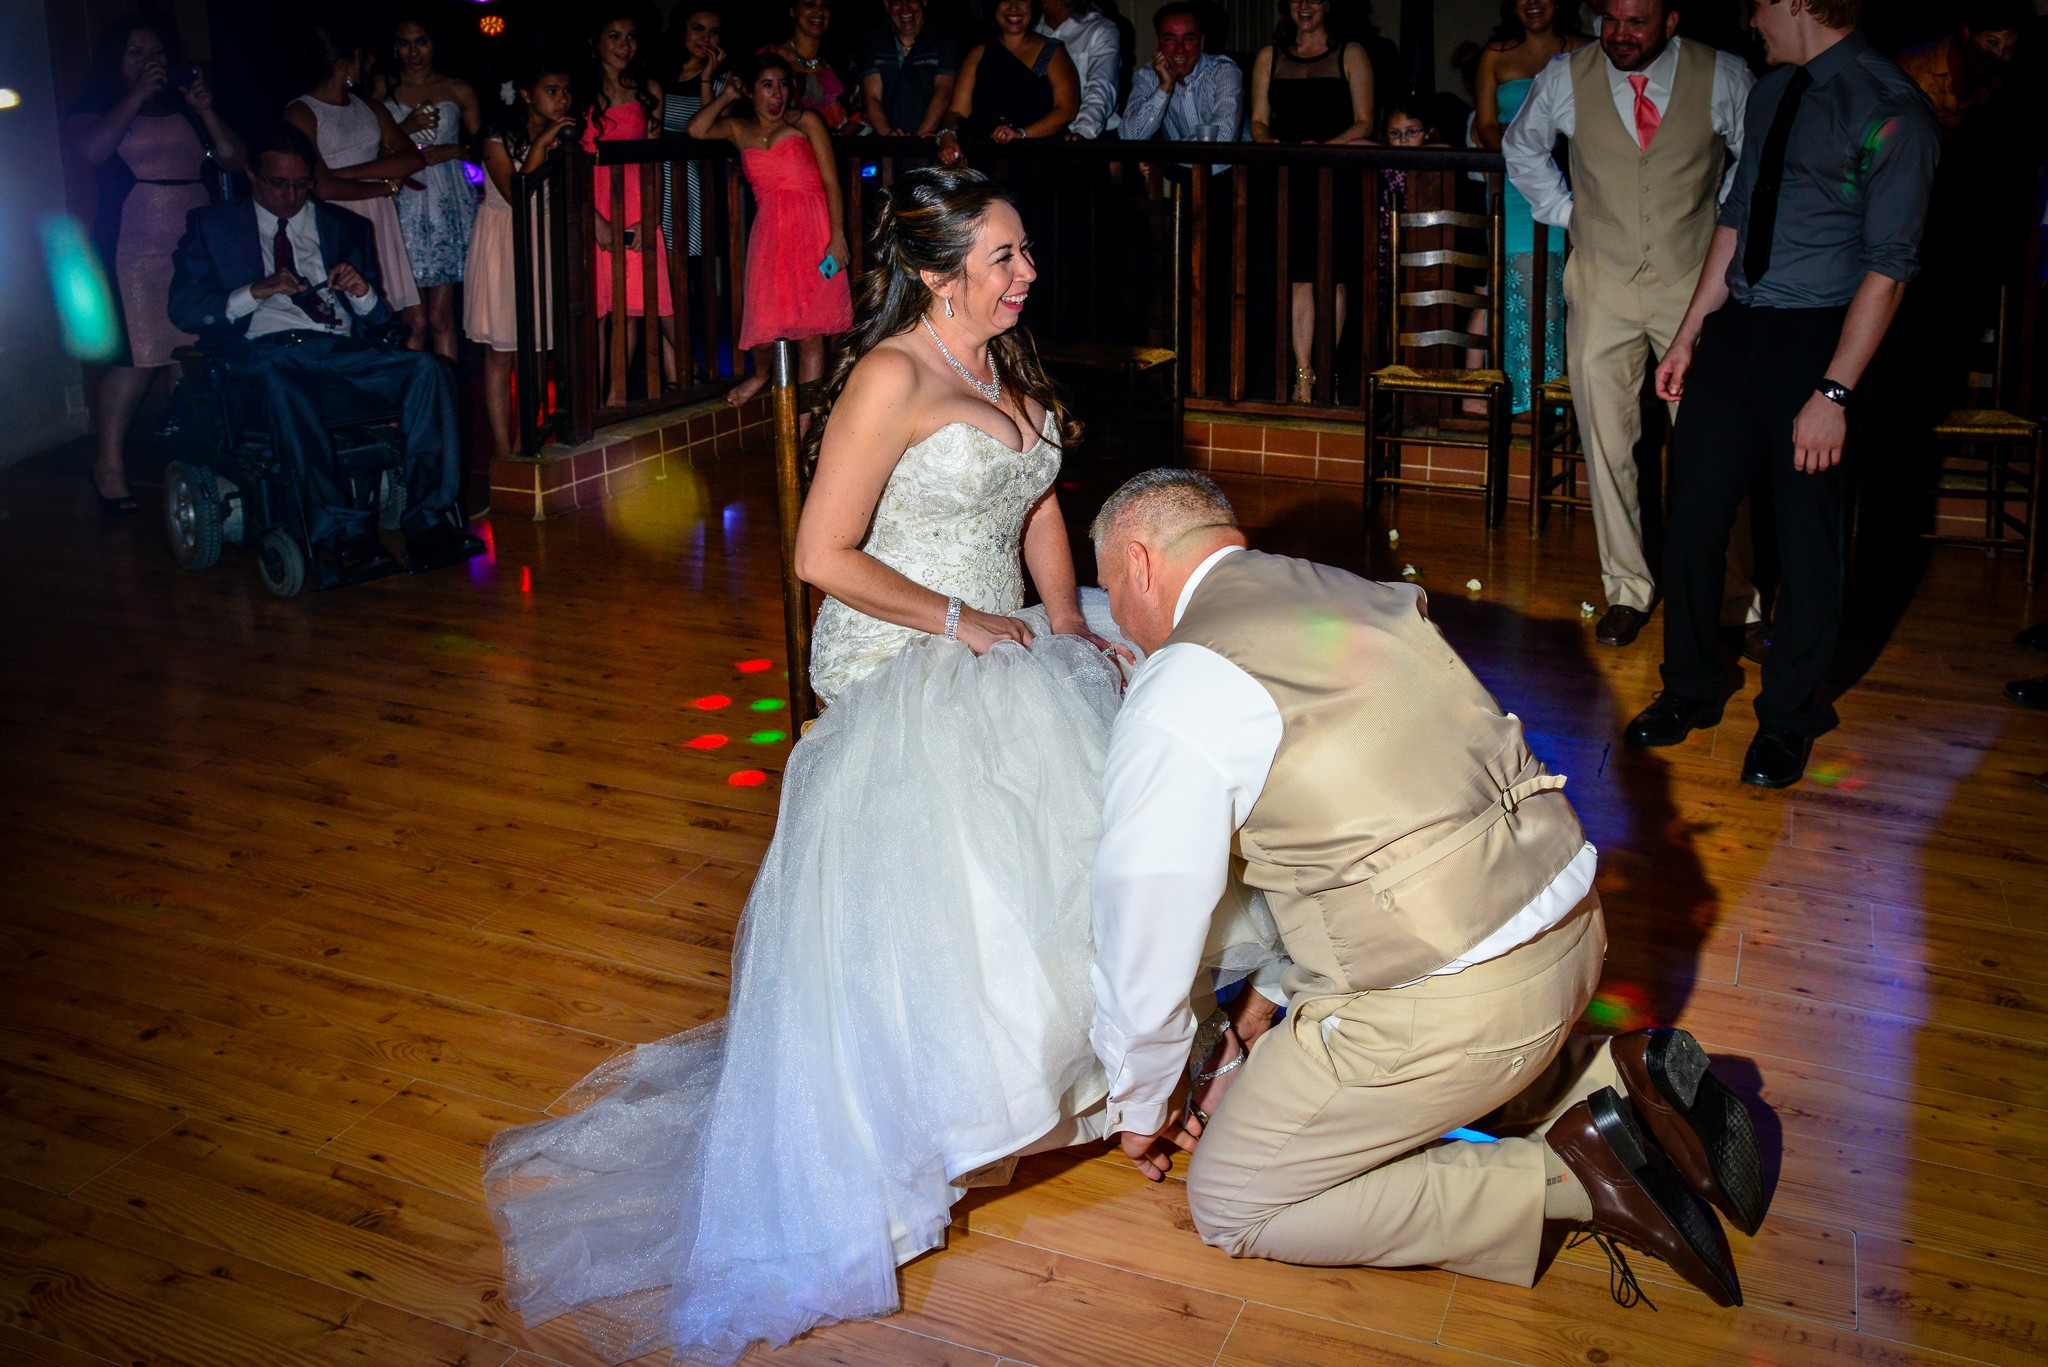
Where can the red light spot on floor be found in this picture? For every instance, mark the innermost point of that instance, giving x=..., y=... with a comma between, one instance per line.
x=526, y=579
x=754, y=666
x=748, y=778
x=711, y=702
x=705, y=742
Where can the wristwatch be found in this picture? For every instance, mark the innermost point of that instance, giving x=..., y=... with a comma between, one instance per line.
x=1834, y=393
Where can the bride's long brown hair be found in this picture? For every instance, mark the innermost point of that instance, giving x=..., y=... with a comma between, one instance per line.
x=928, y=222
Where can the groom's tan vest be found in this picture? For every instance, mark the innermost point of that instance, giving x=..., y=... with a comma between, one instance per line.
x=1403, y=820
x=1636, y=211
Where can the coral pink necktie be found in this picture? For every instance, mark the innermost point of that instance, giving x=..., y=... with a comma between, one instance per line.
x=1647, y=117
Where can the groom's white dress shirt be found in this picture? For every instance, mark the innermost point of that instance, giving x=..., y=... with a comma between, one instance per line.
x=1549, y=112
x=1188, y=758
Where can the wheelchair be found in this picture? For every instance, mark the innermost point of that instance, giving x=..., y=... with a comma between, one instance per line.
x=227, y=482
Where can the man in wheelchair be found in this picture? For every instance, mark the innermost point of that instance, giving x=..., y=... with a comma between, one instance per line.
x=282, y=292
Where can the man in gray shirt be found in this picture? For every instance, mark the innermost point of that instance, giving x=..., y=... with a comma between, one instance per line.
x=1817, y=239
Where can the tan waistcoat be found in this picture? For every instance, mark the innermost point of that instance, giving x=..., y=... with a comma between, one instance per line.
x=1404, y=820
x=1635, y=211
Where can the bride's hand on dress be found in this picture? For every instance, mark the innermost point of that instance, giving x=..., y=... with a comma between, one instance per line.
x=982, y=632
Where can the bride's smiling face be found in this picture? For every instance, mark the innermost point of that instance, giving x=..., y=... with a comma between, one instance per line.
x=996, y=277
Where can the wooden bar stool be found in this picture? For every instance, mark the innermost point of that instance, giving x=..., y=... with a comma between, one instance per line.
x=1992, y=455
x=1556, y=459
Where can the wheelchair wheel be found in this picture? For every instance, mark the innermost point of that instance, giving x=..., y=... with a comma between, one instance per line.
x=193, y=515
x=282, y=562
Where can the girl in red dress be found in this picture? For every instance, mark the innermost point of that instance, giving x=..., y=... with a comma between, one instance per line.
x=796, y=259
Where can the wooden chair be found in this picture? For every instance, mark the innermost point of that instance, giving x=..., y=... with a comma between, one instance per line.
x=1991, y=454
x=1556, y=458
x=1426, y=279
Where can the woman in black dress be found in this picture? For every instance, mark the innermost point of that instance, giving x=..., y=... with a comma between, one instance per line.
x=1023, y=85
x=1311, y=87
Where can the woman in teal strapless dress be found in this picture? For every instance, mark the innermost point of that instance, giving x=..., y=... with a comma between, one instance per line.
x=1531, y=33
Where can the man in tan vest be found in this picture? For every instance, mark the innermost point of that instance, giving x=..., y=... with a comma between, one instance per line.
x=1434, y=898
x=1653, y=122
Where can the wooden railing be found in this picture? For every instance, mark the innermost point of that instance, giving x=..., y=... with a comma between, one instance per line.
x=1103, y=275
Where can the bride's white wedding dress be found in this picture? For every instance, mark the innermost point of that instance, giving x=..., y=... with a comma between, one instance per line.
x=910, y=999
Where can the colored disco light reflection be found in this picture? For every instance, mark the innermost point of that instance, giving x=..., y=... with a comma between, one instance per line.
x=767, y=737
x=748, y=778
x=1471, y=1136
x=711, y=702
x=526, y=579
x=753, y=666
x=766, y=704
x=705, y=742
x=1620, y=1008
x=78, y=287
x=473, y=173
x=1837, y=774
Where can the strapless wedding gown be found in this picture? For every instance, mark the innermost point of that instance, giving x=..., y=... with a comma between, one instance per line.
x=911, y=998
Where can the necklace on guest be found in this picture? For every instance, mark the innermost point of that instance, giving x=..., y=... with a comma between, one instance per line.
x=993, y=390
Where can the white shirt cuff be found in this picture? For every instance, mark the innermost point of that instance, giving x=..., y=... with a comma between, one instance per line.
x=364, y=305
x=241, y=303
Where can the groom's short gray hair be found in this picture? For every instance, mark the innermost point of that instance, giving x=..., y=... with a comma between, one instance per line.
x=1163, y=504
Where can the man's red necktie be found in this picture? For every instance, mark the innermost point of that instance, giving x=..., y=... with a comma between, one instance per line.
x=1647, y=117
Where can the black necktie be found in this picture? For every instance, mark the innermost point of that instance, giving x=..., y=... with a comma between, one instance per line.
x=1770, y=173
x=309, y=301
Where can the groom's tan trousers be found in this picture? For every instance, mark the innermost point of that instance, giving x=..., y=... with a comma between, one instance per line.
x=1324, y=1152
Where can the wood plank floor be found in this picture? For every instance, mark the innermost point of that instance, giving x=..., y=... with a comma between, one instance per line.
x=304, y=900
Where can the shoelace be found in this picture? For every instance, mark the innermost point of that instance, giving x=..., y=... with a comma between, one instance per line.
x=1621, y=1278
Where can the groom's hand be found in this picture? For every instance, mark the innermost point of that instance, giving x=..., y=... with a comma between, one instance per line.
x=1152, y=1154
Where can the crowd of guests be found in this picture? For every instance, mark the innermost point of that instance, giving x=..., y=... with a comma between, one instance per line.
x=427, y=162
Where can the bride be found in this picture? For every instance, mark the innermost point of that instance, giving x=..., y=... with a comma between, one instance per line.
x=911, y=996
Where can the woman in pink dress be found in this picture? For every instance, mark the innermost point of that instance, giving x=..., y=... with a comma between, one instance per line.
x=796, y=259
x=625, y=105
x=151, y=146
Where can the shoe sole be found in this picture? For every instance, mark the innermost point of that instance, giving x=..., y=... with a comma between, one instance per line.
x=1693, y=1220
x=1679, y=1068
x=1759, y=781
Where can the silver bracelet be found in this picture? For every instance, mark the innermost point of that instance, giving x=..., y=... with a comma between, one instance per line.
x=952, y=619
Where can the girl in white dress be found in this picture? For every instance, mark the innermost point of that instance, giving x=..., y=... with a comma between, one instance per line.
x=911, y=995
x=433, y=110
x=364, y=160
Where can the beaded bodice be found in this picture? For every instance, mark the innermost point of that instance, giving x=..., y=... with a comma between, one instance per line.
x=952, y=519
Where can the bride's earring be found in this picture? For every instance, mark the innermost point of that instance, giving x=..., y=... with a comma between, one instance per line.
x=949, y=305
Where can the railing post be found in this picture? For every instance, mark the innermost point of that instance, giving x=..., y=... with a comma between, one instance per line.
x=789, y=502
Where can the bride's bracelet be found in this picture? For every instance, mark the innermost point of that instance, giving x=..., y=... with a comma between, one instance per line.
x=952, y=619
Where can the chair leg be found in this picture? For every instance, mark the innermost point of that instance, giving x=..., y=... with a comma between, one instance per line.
x=1500, y=409
x=1372, y=449
x=2033, y=543
x=1539, y=464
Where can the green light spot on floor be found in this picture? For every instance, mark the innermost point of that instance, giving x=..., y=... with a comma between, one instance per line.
x=768, y=737
x=767, y=705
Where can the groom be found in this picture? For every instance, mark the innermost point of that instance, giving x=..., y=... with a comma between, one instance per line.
x=1434, y=894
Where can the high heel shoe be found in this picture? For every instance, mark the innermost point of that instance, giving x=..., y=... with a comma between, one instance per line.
x=1304, y=385
x=112, y=507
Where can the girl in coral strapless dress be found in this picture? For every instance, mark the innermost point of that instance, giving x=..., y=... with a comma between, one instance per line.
x=796, y=259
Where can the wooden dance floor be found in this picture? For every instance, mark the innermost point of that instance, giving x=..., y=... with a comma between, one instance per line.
x=301, y=901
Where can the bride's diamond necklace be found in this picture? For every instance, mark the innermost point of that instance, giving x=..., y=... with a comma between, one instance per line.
x=993, y=390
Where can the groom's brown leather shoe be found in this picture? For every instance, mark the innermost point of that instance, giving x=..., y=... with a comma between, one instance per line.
x=1702, y=1127
x=1638, y=1203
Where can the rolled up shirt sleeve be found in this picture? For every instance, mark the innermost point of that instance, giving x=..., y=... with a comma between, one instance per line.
x=1903, y=149
x=1527, y=145
x=1187, y=760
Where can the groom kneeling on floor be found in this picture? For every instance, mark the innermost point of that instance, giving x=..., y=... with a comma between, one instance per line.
x=1434, y=895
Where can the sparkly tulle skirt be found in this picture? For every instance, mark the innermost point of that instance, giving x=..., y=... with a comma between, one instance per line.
x=910, y=1004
